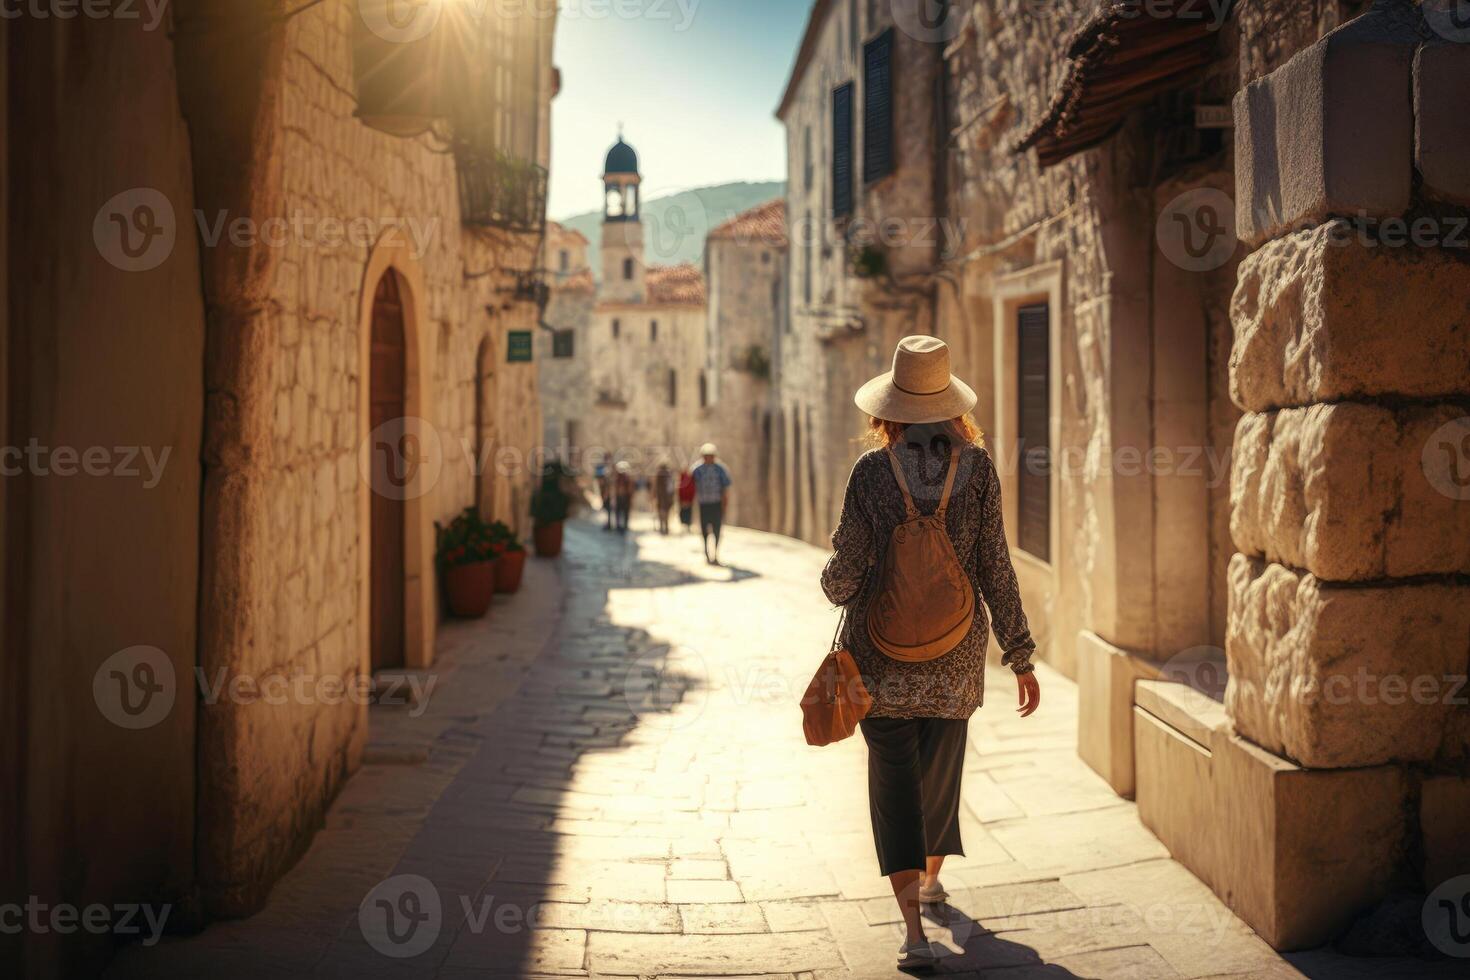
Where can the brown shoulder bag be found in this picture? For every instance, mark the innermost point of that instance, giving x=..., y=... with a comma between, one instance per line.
x=836, y=700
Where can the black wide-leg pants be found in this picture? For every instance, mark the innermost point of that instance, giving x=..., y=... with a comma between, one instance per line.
x=914, y=769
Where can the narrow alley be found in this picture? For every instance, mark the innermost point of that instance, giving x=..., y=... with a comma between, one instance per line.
x=610, y=780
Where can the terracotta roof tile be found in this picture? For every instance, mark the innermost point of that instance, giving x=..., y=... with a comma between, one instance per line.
x=764, y=223
x=576, y=282
x=675, y=285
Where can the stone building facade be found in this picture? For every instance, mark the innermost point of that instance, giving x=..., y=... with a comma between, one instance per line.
x=745, y=265
x=293, y=290
x=1205, y=377
x=561, y=347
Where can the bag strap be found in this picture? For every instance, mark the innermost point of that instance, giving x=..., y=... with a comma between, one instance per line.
x=903, y=485
x=954, y=467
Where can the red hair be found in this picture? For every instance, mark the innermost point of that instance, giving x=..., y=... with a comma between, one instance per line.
x=961, y=430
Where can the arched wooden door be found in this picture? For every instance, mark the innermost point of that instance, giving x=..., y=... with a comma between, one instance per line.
x=387, y=394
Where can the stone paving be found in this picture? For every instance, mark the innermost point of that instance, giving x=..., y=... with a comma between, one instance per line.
x=609, y=780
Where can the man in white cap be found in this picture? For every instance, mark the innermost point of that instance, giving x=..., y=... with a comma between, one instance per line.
x=711, y=491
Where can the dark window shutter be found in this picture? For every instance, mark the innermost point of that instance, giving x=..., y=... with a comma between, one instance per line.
x=563, y=343
x=878, y=107
x=673, y=387
x=842, y=198
x=1033, y=426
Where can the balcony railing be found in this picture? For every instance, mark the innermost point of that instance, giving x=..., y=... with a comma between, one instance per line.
x=500, y=191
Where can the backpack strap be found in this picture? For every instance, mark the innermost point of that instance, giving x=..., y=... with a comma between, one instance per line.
x=903, y=486
x=954, y=467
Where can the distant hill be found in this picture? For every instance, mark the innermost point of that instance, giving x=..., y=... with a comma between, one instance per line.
x=674, y=226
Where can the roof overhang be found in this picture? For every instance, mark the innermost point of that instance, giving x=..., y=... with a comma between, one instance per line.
x=1125, y=55
x=804, y=55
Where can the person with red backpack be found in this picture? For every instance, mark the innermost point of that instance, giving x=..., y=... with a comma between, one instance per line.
x=920, y=554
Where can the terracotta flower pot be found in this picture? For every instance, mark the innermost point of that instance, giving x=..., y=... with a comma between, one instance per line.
x=508, y=569
x=548, y=540
x=470, y=588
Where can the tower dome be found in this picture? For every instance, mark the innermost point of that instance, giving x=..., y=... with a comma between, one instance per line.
x=621, y=159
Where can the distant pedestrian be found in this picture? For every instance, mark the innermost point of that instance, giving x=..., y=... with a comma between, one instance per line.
x=686, y=500
x=604, y=493
x=712, y=490
x=623, y=487
x=663, y=495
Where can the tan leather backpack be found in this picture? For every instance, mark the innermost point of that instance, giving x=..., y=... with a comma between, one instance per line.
x=925, y=603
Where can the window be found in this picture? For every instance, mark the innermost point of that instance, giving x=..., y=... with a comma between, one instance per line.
x=627, y=268
x=878, y=108
x=617, y=329
x=563, y=343
x=1033, y=428
x=673, y=387
x=566, y=260
x=703, y=390
x=810, y=160
x=806, y=259
x=653, y=330
x=842, y=197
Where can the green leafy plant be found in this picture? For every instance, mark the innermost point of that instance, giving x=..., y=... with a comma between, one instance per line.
x=466, y=540
x=503, y=539
x=551, y=502
x=867, y=261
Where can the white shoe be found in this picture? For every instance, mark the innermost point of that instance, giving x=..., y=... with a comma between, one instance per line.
x=912, y=955
x=933, y=894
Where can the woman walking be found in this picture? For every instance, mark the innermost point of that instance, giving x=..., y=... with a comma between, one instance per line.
x=925, y=479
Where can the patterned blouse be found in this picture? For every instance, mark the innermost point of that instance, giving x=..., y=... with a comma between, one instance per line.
x=951, y=686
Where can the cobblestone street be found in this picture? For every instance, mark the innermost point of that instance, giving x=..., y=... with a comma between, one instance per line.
x=609, y=779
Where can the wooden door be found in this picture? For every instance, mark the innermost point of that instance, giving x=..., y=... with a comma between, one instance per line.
x=386, y=400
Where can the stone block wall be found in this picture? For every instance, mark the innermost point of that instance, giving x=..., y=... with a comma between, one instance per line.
x=285, y=502
x=1349, y=636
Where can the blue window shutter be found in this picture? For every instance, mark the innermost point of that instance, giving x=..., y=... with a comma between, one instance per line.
x=878, y=155
x=842, y=170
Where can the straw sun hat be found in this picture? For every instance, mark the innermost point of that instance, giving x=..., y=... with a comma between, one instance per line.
x=919, y=389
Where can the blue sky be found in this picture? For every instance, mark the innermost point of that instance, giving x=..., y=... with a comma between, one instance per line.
x=694, y=82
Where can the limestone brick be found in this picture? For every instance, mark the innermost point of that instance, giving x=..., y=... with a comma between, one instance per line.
x=1333, y=676
x=1311, y=140
x=1343, y=491
x=1310, y=313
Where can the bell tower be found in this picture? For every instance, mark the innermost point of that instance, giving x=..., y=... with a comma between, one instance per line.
x=622, y=227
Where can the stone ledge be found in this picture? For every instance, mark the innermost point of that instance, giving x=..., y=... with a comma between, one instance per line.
x=1293, y=852
x=1342, y=676
x=1342, y=492
x=1311, y=140
x=1105, y=682
x=1322, y=317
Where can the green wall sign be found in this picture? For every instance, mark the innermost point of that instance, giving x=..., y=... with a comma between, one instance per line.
x=518, y=347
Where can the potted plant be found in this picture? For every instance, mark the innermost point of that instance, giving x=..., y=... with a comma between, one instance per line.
x=550, y=505
x=510, y=558
x=466, y=559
